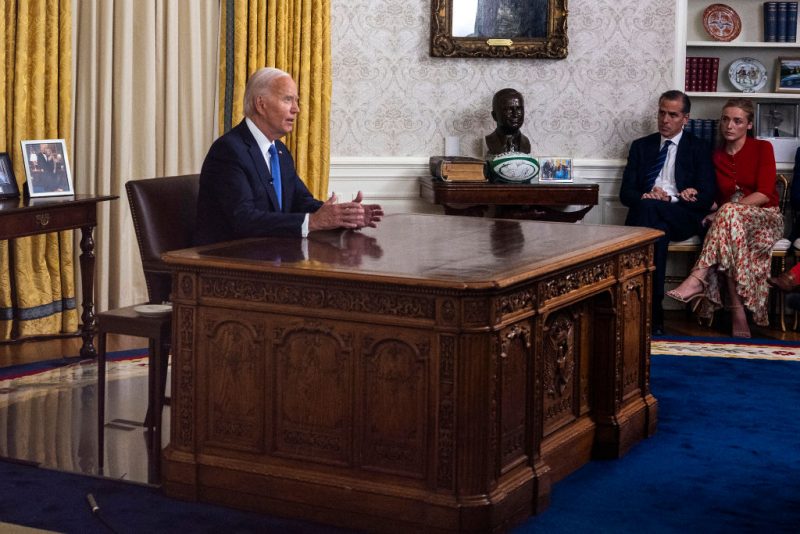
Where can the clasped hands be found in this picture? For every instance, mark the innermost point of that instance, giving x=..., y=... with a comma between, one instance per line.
x=688, y=195
x=353, y=214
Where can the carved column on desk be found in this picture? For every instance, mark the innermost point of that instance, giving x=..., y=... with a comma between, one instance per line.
x=89, y=329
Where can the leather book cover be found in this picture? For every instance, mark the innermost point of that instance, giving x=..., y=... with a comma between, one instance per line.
x=780, y=25
x=791, y=22
x=457, y=168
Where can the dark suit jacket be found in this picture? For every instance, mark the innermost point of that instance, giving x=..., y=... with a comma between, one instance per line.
x=693, y=168
x=236, y=198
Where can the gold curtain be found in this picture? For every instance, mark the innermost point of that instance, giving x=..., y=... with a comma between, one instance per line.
x=295, y=36
x=37, y=286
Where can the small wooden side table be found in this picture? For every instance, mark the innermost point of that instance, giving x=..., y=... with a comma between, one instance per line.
x=540, y=202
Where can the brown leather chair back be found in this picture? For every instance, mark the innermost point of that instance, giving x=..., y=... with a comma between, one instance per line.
x=164, y=212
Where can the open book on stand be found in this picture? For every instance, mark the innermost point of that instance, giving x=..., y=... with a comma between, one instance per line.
x=458, y=168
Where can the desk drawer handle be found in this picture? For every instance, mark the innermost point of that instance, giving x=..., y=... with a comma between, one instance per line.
x=43, y=219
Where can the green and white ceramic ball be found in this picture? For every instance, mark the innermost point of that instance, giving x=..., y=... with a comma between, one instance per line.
x=513, y=167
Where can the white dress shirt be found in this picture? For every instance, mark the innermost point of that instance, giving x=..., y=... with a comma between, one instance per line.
x=666, y=179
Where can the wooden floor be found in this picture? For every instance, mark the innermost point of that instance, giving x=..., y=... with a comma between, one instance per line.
x=680, y=323
x=31, y=351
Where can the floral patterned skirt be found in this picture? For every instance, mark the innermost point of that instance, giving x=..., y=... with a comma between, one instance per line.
x=739, y=245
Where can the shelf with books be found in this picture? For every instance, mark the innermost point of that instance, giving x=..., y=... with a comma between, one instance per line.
x=695, y=45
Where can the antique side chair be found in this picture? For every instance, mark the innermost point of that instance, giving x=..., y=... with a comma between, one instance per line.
x=164, y=213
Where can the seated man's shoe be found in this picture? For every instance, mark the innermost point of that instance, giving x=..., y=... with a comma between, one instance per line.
x=784, y=282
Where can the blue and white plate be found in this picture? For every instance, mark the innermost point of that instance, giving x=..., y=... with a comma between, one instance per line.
x=747, y=74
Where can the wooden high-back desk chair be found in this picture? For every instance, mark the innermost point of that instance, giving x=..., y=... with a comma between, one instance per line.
x=164, y=212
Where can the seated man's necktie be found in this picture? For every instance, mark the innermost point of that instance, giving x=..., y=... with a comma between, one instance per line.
x=655, y=170
x=275, y=170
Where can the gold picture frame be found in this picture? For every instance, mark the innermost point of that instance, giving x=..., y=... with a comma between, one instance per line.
x=496, y=30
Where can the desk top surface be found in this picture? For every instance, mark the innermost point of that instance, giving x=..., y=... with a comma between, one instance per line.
x=427, y=250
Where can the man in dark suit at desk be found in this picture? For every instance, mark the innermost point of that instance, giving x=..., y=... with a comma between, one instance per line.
x=248, y=183
x=668, y=184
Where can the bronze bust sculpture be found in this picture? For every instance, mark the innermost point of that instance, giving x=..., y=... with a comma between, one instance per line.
x=508, y=111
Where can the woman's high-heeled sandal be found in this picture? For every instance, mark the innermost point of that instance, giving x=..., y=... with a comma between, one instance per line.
x=695, y=298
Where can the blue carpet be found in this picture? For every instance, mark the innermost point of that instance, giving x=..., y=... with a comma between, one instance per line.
x=726, y=458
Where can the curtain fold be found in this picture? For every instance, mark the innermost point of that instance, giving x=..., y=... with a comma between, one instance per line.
x=293, y=35
x=145, y=94
x=37, y=283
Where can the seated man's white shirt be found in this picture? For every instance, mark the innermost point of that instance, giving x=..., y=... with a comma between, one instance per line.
x=666, y=179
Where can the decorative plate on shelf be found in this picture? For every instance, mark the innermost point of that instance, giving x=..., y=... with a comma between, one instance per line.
x=747, y=74
x=721, y=22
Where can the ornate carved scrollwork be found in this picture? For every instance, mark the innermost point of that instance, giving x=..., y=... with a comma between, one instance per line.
x=636, y=260
x=446, y=431
x=272, y=292
x=186, y=380
x=514, y=302
x=563, y=284
x=559, y=364
x=448, y=311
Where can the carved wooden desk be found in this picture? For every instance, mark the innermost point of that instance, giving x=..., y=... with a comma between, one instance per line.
x=510, y=201
x=434, y=373
x=30, y=216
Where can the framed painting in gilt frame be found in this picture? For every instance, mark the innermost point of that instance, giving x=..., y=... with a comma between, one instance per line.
x=8, y=183
x=499, y=28
x=47, y=168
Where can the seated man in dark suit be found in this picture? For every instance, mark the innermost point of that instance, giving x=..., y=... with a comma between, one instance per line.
x=248, y=183
x=668, y=184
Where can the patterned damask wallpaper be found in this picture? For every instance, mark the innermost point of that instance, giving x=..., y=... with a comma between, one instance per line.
x=390, y=98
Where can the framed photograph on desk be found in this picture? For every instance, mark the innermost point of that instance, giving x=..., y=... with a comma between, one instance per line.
x=47, y=168
x=8, y=183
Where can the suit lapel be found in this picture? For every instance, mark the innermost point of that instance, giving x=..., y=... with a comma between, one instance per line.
x=680, y=155
x=259, y=163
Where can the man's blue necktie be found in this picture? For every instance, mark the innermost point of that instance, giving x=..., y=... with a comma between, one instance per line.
x=655, y=170
x=275, y=170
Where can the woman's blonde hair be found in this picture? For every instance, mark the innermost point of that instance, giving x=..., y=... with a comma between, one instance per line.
x=746, y=105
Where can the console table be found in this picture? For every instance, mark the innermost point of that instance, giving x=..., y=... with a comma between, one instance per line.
x=432, y=374
x=23, y=217
x=510, y=201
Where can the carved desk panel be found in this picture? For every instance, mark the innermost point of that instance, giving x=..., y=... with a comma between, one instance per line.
x=434, y=373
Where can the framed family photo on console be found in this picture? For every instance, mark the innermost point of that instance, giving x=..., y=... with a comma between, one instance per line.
x=47, y=168
x=8, y=183
x=555, y=170
x=499, y=28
